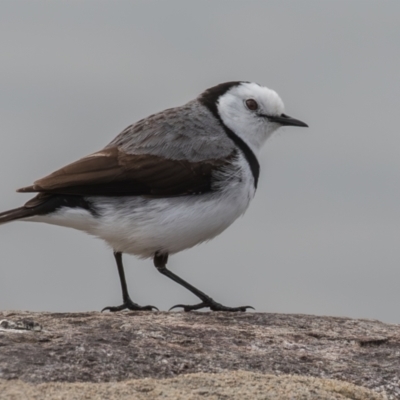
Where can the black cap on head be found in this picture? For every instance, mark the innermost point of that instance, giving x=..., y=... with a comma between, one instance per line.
x=210, y=96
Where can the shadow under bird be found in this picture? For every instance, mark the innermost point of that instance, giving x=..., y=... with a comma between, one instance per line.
x=166, y=183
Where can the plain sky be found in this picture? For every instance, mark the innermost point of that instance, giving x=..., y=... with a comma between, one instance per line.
x=322, y=234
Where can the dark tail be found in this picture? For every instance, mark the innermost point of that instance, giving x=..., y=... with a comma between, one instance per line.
x=29, y=209
x=16, y=213
x=44, y=204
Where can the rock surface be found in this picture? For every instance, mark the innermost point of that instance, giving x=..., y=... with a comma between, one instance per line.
x=40, y=348
x=232, y=385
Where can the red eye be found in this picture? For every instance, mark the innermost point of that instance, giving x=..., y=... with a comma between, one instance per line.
x=251, y=104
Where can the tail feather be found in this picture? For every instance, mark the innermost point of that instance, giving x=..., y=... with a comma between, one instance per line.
x=16, y=213
x=44, y=204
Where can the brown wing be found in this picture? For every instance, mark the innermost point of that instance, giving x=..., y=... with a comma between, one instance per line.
x=112, y=172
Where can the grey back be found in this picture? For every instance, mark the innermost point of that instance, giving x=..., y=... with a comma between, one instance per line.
x=188, y=132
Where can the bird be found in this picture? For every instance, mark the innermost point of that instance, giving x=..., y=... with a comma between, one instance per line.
x=166, y=183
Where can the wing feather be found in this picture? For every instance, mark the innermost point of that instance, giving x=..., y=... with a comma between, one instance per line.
x=113, y=172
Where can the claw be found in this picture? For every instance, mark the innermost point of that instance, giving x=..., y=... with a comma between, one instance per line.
x=190, y=307
x=177, y=306
x=130, y=305
x=241, y=308
x=213, y=305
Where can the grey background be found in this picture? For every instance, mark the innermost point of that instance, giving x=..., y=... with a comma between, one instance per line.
x=321, y=236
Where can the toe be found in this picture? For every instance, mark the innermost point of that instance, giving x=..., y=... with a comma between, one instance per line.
x=190, y=307
x=149, y=308
x=130, y=306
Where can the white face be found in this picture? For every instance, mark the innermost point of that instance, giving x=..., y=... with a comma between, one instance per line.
x=245, y=110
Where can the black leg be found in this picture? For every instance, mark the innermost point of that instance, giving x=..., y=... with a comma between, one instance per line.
x=160, y=262
x=128, y=303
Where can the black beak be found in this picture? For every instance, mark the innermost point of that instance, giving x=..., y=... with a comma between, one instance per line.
x=284, y=119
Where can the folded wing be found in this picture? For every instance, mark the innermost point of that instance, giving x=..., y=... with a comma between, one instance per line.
x=113, y=172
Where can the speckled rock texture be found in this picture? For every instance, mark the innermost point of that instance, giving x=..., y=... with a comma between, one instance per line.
x=240, y=385
x=41, y=348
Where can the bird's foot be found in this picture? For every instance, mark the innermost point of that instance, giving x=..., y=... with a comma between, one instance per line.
x=213, y=305
x=130, y=305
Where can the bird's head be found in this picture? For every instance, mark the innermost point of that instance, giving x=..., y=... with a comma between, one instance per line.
x=251, y=111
